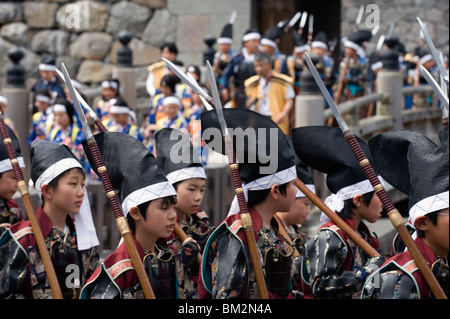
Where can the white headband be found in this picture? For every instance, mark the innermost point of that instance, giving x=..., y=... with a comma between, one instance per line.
x=186, y=173
x=425, y=59
x=42, y=98
x=266, y=182
x=301, y=194
x=251, y=36
x=47, y=67
x=352, y=45
x=59, y=108
x=301, y=49
x=224, y=41
x=319, y=44
x=118, y=109
x=110, y=84
x=171, y=100
x=336, y=201
x=146, y=194
x=5, y=165
x=3, y=99
x=269, y=43
x=429, y=205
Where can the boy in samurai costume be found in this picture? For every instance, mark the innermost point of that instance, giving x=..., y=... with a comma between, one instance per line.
x=415, y=165
x=148, y=201
x=59, y=179
x=179, y=161
x=267, y=171
x=333, y=262
x=10, y=212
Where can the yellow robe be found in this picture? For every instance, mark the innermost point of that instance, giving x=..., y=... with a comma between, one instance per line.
x=276, y=95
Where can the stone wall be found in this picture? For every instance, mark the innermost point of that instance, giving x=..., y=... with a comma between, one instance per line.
x=82, y=33
x=403, y=13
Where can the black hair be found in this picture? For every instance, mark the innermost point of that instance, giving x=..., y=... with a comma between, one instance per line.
x=347, y=211
x=433, y=218
x=259, y=196
x=69, y=108
x=170, y=81
x=172, y=47
x=54, y=182
x=168, y=200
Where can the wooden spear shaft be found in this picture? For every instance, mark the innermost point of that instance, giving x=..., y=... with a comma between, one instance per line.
x=23, y=189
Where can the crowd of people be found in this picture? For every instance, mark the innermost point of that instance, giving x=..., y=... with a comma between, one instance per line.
x=184, y=256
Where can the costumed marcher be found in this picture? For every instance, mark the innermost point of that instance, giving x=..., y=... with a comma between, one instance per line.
x=110, y=90
x=334, y=264
x=65, y=131
x=156, y=111
x=270, y=93
x=295, y=62
x=47, y=78
x=292, y=222
x=173, y=117
x=415, y=165
x=188, y=177
x=148, y=201
x=269, y=45
x=42, y=118
x=122, y=119
x=59, y=179
x=267, y=170
x=3, y=108
x=157, y=70
x=240, y=69
x=224, y=53
x=319, y=46
x=356, y=76
x=10, y=212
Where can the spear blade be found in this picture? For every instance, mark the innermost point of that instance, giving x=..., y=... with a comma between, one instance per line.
x=76, y=103
x=216, y=98
x=435, y=86
x=433, y=50
x=190, y=82
x=326, y=94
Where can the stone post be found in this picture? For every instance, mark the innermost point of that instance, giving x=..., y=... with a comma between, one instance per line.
x=310, y=103
x=390, y=80
x=19, y=110
x=124, y=70
x=208, y=54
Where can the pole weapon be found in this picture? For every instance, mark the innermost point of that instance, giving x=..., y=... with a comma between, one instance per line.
x=113, y=199
x=23, y=189
x=433, y=50
x=393, y=214
x=86, y=106
x=237, y=183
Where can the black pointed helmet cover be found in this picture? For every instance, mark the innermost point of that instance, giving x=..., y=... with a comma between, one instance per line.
x=423, y=173
x=325, y=149
x=133, y=170
x=176, y=156
x=49, y=160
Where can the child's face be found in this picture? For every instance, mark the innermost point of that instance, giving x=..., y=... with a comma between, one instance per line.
x=47, y=75
x=121, y=119
x=41, y=106
x=8, y=185
x=190, y=195
x=171, y=110
x=62, y=119
x=372, y=211
x=285, y=202
x=160, y=219
x=437, y=235
x=108, y=93
x=299, y=211
x=68, y=195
